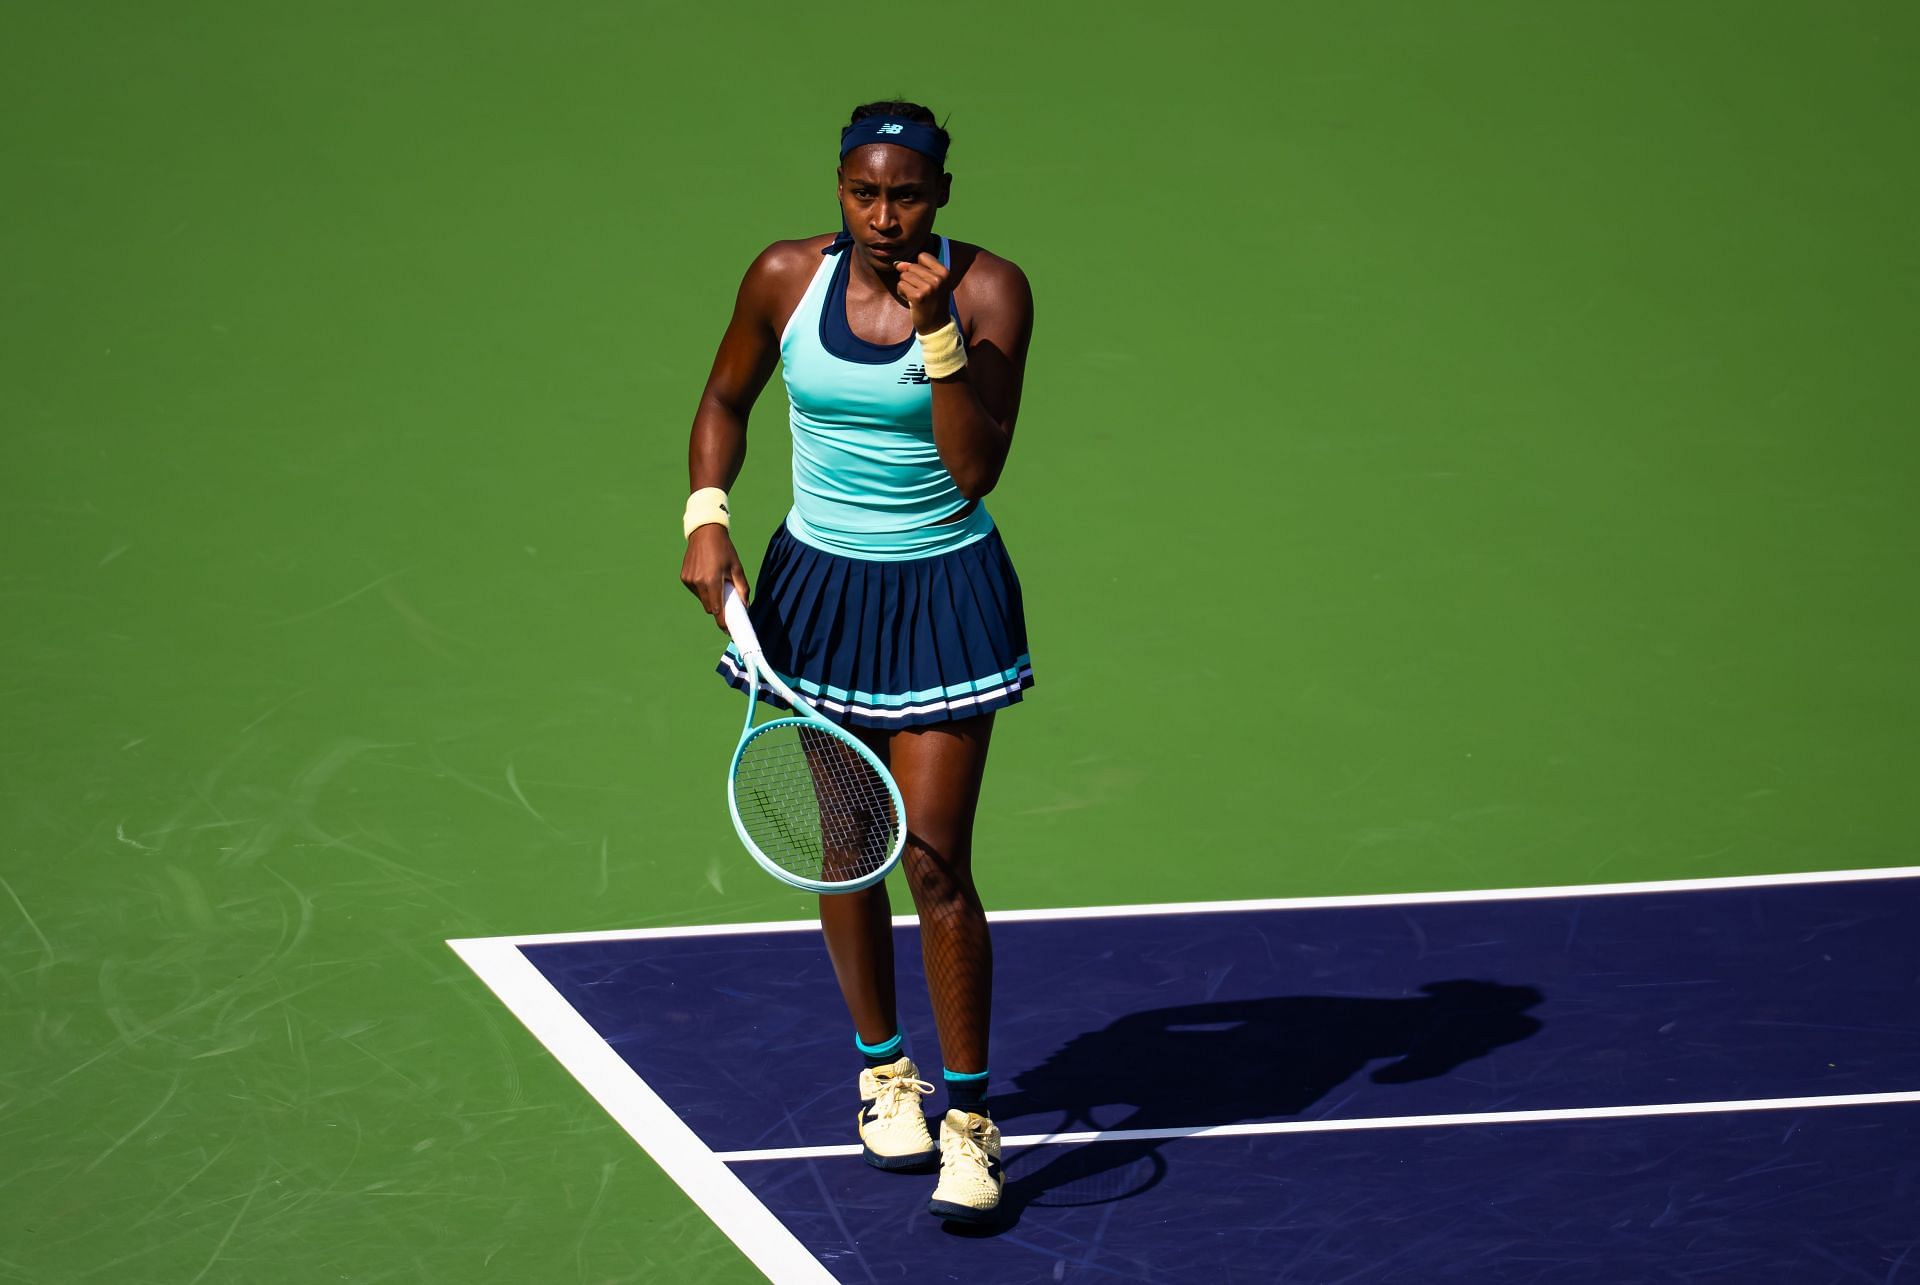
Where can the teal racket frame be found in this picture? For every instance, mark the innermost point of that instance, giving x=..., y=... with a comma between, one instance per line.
x=805, y=715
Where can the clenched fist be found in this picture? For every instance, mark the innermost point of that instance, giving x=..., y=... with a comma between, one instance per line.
x=924, y=285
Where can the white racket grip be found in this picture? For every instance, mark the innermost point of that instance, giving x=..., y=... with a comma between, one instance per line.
x=739, y=624
x=741, y=627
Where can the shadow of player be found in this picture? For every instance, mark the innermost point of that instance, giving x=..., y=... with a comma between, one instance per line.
x=1195, y=1065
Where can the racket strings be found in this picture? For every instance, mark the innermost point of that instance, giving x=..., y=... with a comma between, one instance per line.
x=812, y=804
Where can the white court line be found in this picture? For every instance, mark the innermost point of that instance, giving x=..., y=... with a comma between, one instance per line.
x=1718, y=883
x=651, y=1122
x=1379, y=1122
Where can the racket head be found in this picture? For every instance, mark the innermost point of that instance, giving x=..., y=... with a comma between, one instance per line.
x=814, y=806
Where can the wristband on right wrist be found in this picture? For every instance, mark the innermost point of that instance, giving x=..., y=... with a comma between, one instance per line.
x=704, y=506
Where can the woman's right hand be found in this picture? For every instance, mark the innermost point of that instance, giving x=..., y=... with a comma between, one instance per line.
x=710, y=565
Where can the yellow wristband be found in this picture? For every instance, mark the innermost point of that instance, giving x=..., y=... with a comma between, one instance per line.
x=944, y=351
x=708, y=504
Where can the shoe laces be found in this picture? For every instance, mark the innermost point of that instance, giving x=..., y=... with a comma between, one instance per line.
x=894, y=1094
x=964, y=1145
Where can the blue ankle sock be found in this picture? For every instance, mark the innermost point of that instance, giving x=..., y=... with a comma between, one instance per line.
x=967, y=1091
x=884, y=1053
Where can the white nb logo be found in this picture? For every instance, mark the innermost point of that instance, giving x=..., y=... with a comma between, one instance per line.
x=891, y=129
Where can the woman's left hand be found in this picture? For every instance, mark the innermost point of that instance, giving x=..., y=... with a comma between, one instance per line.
x=924, y=285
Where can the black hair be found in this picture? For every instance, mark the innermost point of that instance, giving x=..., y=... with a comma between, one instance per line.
x=905, y=111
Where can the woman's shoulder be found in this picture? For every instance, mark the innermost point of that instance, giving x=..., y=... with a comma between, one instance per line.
x=984, y=279
x=984, y=265
x=778, y=277
x=783, y=261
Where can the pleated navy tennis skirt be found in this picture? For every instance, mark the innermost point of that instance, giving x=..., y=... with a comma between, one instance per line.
x=890, y=644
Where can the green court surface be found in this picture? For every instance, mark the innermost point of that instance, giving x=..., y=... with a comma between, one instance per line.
x=1466, y=445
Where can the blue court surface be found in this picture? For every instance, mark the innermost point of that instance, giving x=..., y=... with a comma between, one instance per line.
x=1712, y=1080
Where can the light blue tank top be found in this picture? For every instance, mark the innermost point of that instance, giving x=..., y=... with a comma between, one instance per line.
x=867, y=478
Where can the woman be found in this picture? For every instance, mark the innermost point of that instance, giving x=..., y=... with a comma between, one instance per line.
x=886, y=595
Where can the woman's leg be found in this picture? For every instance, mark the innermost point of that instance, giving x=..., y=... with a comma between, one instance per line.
x=859, y=931
x=860, y=943
x=939, y=769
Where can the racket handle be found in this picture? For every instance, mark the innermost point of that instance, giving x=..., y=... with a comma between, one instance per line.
x=738, y=623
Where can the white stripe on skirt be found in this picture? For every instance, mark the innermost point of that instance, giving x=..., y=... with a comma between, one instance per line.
x=896, y=712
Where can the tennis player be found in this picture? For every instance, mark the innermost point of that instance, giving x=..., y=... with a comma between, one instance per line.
x=886, y=597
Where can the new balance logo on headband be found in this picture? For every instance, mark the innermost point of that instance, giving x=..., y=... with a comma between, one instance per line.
x=928, y=140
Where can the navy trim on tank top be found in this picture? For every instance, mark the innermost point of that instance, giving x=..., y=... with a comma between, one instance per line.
x=837, y=337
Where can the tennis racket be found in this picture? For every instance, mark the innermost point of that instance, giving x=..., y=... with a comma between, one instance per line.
x=814, y=806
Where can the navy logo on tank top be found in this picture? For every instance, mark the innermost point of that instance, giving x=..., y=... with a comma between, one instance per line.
x=913, y=375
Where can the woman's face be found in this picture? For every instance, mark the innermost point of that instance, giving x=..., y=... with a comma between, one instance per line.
x=888, y=196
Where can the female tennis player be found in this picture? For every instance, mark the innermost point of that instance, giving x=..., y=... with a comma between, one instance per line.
x=886, y=597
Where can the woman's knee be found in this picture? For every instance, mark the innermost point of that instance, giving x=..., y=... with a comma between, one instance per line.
x=940, y=877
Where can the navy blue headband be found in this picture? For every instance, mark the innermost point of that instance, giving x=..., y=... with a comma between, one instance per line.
x=911, y=134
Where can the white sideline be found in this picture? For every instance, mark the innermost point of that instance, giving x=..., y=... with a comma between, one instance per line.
x=1267, y=903
x=651, y=1122
x=1380, y=1122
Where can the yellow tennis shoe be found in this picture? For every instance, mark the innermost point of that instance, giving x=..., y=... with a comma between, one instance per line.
x=970, y=1176
x=893, y=1129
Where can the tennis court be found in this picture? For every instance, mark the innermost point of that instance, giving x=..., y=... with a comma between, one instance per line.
x=1466, y=449
x=1692, y=1077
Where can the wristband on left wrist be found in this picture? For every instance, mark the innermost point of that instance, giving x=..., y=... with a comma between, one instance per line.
x=943, y=351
